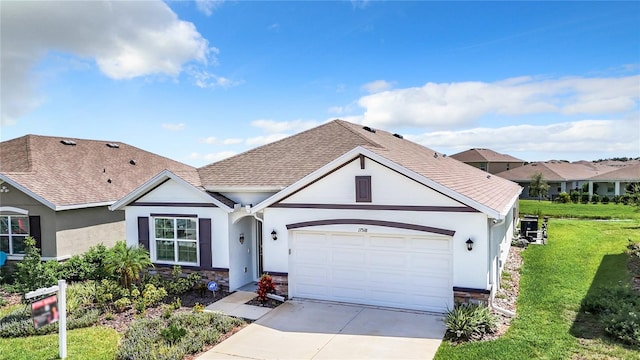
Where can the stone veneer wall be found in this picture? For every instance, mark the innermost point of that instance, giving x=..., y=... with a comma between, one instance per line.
x=471, y=296
x=281, y=283
x=220, y=276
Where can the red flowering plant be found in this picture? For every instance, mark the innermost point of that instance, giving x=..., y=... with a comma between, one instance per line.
x=265, y=286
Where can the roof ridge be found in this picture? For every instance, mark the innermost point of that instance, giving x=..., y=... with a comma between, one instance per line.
x=341, y=123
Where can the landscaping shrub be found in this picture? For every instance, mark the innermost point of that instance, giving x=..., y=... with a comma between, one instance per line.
x=634, y=248
x=625, y=199
x=176, y=284
x=595, y=198
x=122, y=304
x=18, y=323
x=619, y=312
x=30, y=271
x=153, y=295
x=605, y=199
x=584, y=198
x=563, y=198
x=617, y=199
x=610, y=299
x=575, y=196
x=153, y=339
x=126, y=262
x=469, y=322
x=80, y=295
x=265, y=286
x=87, y=266
x=624, y=325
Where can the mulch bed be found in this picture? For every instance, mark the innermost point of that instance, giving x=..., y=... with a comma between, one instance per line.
x=270, y=303
x=120, y=321
x=507, y=296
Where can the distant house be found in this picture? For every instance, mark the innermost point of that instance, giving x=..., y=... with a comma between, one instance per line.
x=339, y=212
x=562, y=176
x=58, y=190
x=488, y=160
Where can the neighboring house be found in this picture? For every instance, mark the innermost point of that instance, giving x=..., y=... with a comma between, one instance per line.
x=488, y=160
x=563, y=176
x=340, y=212
x=58, y=190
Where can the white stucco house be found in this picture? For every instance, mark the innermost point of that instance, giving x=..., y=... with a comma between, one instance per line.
x=340, y=212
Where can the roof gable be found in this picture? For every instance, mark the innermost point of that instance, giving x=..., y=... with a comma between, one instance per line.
x=171, y=188
x=485, y=155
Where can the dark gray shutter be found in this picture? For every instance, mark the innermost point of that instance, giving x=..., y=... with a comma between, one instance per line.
x=143, y=232
x=363, y=188
x=35, y=231
x=205, y=243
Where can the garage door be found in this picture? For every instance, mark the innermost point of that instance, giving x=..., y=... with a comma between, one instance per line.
x=404, y=271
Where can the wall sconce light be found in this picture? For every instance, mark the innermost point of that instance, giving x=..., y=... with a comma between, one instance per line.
x=274, y=235
x=469, y=244
x=241, y=239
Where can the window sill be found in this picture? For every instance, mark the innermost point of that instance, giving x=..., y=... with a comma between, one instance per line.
x=175, y=263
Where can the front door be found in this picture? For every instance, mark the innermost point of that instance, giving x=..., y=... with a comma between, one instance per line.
x=259, y=247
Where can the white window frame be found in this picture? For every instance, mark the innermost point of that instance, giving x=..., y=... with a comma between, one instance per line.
x=154, y=239
x=11, y=235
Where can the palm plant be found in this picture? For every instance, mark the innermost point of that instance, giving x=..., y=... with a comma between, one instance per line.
x=127, y=262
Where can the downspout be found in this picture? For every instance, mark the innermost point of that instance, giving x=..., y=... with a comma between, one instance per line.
x=496, y=222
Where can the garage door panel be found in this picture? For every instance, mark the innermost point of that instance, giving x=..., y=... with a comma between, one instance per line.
x=389, y=260
x=388, y=242
x=376, y=269
x=312, y=255
x=340, y=275
x=347, y=240
x=351, y=257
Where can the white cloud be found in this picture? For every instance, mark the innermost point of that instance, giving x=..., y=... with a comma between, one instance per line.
x=126, y=39
x=274, y=127
x=208, y=140
x=207, y=7
x=174, y=127
x=585, y=136
x=205, y=79
x=232, y=141
x=274, y=27
x=212, y=157
x=212, y=140
x=377, y=86
x=446, y=105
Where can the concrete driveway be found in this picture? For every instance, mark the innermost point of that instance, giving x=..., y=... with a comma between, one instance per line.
x=305, y=329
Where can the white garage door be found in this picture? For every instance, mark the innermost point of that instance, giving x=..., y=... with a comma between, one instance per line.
x=404, y=271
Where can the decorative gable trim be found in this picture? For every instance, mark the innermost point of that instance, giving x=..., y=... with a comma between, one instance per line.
x=391, y=224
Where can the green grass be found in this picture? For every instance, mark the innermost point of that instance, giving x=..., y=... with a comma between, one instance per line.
x=580, y=256
x=583, y=211
x=89, y=343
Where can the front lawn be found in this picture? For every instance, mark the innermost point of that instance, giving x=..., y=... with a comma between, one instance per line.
x=581, y=255
x=88, y=343
x=582, y=211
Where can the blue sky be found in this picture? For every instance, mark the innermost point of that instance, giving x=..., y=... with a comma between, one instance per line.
x=200, y=81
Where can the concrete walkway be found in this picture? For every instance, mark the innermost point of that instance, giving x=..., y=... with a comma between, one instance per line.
x=305, y=329
x=234, y=305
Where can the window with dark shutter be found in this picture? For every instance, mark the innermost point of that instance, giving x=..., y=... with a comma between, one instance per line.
x=204, y=227
x=143, y=232
x=363, y=188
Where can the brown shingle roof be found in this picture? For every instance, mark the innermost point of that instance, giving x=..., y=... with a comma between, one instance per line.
x=284, y=162
x=75, y=175
x=485, y=155
x=556, y=171
x=627, y=173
